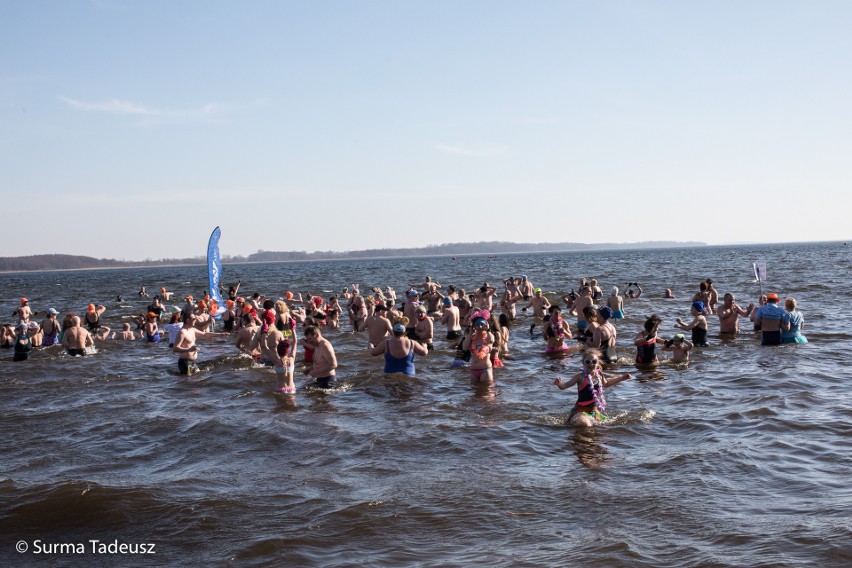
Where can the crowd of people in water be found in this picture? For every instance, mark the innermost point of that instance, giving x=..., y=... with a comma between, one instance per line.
x=400, y=329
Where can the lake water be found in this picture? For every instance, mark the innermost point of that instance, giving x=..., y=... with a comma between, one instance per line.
x=742, y=458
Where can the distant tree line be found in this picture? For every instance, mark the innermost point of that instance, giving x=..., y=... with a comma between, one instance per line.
x=72, y=262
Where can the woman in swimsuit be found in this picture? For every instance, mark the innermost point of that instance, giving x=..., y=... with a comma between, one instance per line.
x=556, y=332
x=479, y=343
x=590, y=405
x=698, y=325
x=399, y=350
x=50, y=328
x=646, y=343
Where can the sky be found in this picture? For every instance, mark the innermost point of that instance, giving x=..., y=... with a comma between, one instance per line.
x=131, y=129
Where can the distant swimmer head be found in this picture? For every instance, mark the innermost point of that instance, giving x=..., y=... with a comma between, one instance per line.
x=398, y=328
x=615, y=290
x=23, y=301
x=412, y=293
x=537, y=290
x=447, y=302
x=288, y=295
x=605, y=312
x=91, y=307
x=698, y=307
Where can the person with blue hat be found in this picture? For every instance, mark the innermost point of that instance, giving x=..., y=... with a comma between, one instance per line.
x=698, y=325
x=23, y=343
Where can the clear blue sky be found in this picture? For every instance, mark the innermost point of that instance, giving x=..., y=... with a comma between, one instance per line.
x=130, y=129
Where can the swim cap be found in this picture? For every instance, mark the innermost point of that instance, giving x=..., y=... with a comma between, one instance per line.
x=537, y=290
x=21, y=326
x=151, y=315
x=23, y=300
x=412, y=293
x=698, y=306
x=679, y=337
x=447, y=302
x=202, y=304
x=52, y=312
x=615, y=290
x=229, y=303
x=772, y=296
x=398, y=328
x=289, y=295
x=91, y=307
x=476, y=321
x=162, y=289
x=421, y=309
x=605, y=312
x=247, y=309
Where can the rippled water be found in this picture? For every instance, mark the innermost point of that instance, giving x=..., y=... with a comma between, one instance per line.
x=741, y=458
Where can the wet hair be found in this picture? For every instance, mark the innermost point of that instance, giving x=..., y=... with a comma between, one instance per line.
x=702, y=287
x=590, y=312
x=504, y=320
x=652, y=323
x=68, y=320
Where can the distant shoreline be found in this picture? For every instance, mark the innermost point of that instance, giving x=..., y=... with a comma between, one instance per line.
x=403, y=254
x=355, y=257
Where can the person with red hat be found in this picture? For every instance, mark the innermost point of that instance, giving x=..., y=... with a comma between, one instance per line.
x=768, y=317
x=23, y=313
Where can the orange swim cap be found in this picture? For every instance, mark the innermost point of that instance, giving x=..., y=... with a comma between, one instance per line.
x=230, y=303
x=23, y=300
x=91, y=307
x=247, y=309
x=289, y=295
x=202, y=304
x=162, y=289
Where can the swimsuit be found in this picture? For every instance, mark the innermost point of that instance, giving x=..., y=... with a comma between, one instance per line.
x=645, y=352
x=618, y=314
x=187, y=367
x=23, y=346
x=327, y=382
x=153, y=338
x=51, y=339
x=399, y=364
x=228, y=324
x=590, y=397
x=454, y=334
x=699, y=336
x=93, y=326
x=76, y=352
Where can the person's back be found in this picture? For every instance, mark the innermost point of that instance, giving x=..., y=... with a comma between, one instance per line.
x=399, y=356
x=769, y=316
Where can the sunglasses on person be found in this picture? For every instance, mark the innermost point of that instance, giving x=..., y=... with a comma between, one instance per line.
x=591, y=361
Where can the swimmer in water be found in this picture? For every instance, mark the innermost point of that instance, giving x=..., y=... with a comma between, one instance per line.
x=591, y=404
x=479, y=343
x=698, y=325
x=680, y=347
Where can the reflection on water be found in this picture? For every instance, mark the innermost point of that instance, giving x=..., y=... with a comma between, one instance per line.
x=397, y=471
